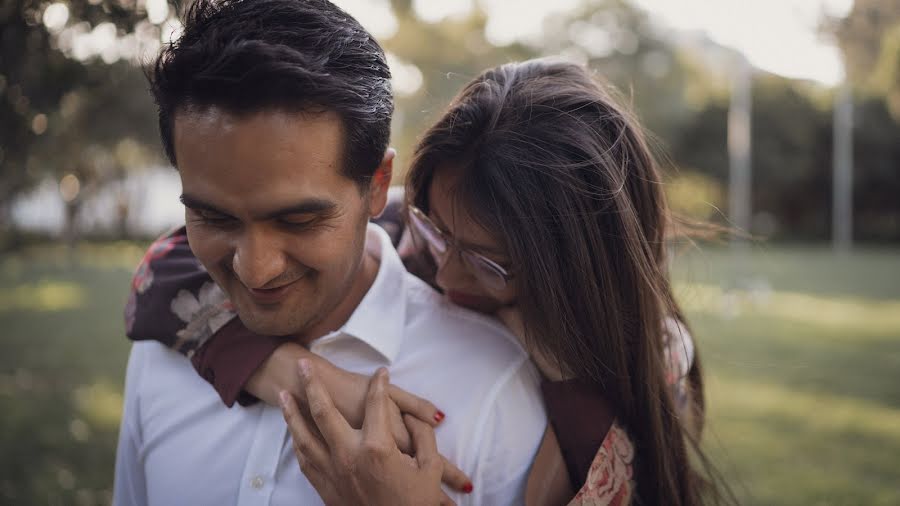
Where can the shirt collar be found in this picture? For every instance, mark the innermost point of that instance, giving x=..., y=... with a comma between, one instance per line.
x=379, y=319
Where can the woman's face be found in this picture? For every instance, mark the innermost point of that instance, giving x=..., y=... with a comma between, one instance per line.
x=454, y=276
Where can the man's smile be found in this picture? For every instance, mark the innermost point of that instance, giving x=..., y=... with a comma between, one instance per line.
x=276, y=294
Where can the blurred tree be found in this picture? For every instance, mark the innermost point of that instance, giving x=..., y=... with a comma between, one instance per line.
x=869, y=37
x=69, y=97
x=72, y=104
x=628, y=50
x=876, y=159
x=665, y=85
x=791, y=159
x=861, y=33
x=456, y=51
x=792, y=153
x=671, y=82
x=885, y=78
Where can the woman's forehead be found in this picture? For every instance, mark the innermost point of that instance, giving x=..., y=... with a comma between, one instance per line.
x=449, y=210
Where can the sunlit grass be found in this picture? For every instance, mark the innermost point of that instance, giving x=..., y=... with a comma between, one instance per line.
x=100, y=404
x=62, y=361
x=837, y=312
x=42, y=296
x=801, y=362
x=779, y=445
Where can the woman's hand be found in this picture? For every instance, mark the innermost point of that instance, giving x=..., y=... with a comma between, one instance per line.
x=512, y=318
x=279, y=372
x=349, y=466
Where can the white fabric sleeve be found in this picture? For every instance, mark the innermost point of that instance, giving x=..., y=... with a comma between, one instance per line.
x=130, y=487
x=514, y=428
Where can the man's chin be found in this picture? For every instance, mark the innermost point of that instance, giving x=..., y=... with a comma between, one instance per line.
x=269, y=325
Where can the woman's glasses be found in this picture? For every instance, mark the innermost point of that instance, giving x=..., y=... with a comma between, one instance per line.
x=440, y=245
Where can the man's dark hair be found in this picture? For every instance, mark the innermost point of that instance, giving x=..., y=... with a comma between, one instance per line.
x=246, y=56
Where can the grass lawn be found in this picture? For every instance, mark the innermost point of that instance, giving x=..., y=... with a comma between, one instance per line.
x=803, y=372
x=802, y=361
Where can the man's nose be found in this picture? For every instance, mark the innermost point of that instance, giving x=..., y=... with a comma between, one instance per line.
x=258, y=259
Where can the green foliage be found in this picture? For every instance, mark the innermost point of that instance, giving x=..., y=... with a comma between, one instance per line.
x=62, y=115
x=792, y=160
x=886, y=74
x=861, y=35
x=695, y=195
x=455, y=52
x=877, y=178
x=870, y=39
x=627, y=50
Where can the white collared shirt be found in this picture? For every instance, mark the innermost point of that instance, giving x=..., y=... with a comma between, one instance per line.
x=179, y=445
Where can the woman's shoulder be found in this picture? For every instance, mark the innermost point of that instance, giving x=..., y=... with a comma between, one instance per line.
x=582, y=417
x=610, y=479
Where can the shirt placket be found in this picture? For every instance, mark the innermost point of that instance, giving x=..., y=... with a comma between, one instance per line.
x=258, y=479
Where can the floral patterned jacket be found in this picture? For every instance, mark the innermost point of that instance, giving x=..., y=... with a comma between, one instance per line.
x=173, y=300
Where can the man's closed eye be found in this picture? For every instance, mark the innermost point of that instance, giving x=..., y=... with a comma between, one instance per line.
x=299, y=220
x=213, y=218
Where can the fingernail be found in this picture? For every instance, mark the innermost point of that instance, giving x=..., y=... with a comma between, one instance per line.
x=439, y=416
x=467, y=488
x=283, y=395
x=305, y=367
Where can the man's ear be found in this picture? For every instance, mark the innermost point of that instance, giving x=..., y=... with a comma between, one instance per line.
x=381, y=182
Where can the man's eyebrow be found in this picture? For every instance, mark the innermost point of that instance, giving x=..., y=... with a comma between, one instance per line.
x=308, y=206
x=195, y=203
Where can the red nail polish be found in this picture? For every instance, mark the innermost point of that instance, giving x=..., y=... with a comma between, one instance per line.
x=467, y=488
x=439, y=416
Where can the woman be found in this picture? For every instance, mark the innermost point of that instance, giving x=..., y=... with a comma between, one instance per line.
x=534, y=197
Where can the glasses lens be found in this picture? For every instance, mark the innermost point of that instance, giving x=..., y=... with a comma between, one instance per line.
x=427, y=231
x=485, y=270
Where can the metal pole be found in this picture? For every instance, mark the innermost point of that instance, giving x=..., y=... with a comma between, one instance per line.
x=842, y=196
x=739, y=143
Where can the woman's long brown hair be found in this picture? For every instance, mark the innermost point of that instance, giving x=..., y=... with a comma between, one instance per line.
x=562, y=175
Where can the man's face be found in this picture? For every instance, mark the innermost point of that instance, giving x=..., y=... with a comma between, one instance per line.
x=269, y=213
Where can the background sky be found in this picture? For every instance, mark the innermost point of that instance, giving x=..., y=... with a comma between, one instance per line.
x=779, y=36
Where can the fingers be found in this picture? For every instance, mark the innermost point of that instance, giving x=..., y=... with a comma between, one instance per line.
x=319, y=480
x=400, y=432
x=331, y=424
x=454, y=477
x=416, y=406
x=430, y=460
x=309, y=448
x=376, y=423
x=445, y=499
x=376, y=420
x=324, y=487
x=424, y=443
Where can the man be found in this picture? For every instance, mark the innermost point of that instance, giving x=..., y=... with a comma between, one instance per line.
x=277, y=114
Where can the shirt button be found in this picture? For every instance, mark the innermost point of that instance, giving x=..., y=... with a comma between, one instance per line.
x=257, y=482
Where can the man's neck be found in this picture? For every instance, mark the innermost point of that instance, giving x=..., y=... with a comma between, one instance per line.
x=364, y=279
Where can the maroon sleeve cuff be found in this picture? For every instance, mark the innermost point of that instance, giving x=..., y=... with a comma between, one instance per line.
x=581, y=416
x=230, y=357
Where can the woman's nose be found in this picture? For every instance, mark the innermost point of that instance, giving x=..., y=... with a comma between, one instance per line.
x=450, y=269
